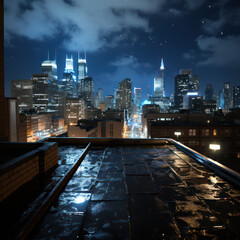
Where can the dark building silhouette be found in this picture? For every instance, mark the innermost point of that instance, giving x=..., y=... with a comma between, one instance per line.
x=236, y=97
x=181, y=89
x=209, y=92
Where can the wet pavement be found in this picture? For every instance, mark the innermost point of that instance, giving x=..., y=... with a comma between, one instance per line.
x=141, y=193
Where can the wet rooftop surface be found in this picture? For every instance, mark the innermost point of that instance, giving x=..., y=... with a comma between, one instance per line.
x=141, y=193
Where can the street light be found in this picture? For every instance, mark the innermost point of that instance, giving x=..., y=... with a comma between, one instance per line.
x=214, y=147
x=177, y=133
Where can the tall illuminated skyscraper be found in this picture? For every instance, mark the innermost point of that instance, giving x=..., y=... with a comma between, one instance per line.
x=138, y=98
x=69, y=79
x=45, y=89
x=159, y=82
x=81, y=68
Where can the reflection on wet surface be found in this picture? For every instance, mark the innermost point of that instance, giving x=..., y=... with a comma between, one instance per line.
x=142, y=193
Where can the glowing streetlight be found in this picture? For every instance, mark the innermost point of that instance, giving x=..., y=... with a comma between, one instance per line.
x=177, y=133
x=214, y=147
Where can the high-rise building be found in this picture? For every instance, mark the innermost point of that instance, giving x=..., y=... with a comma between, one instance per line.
x=99, y=97
x=181, y=89
x=74, y=110
x=209, y=92
x=115, y=98
x=81, y=68
x=50, y=69
x=69, y=79
x=194, y=85
x=86, y=90
x=186, y=72
x=40, y=92
x=236, y=97
x=109, y=102
x=227, y=94
x=125, y=95
x=23, y=91
x=138, y=98
x=159, y=82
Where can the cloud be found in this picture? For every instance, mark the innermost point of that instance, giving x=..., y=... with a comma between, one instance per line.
x=225, y=15
x=189, y=55
x=126, y=61
x=85, y=24
x=220, y=51
x=191, y=4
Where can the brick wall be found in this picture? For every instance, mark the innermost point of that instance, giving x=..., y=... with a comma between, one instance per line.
x=23, y=169
x=17, y=176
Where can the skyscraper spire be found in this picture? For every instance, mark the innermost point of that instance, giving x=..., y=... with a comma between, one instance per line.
x=162, y=65
x=78, y=54
x=85, y=55
x=48, y=54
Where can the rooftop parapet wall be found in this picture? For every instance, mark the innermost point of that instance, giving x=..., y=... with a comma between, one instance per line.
x=19, y=170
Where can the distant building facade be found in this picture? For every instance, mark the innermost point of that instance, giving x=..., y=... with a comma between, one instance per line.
x=236, y=97
x=23, y=91
x=74, y=110
x=181, y=89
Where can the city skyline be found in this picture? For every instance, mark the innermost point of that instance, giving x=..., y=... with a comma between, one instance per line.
x=203, y=36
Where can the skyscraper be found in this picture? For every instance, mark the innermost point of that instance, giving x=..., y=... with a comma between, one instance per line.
x=194, y=85
x=99, y=97
x=23, y=91
x=125, y=95
x=69, y=79
x=227, y=95
x=138, y=98
x=181, y=89
x=40, y=92
x=45, y=89
x=209, y=92
x=236, y=97
x=82, y=68
x=109, y=102
x=159, y=82
x=86, y=90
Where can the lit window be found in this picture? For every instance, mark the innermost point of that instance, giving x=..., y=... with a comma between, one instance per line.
x=192, y=132
x=214, y=132
x=238, y=155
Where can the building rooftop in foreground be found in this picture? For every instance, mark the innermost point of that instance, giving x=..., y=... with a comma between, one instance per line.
x=140, y=189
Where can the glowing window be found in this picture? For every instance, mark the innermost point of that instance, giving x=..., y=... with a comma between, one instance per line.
x=214, y=132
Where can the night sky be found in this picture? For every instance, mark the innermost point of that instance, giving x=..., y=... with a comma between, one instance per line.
x=125, y=38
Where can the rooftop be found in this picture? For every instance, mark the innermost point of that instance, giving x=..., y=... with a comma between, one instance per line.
x=138, y=189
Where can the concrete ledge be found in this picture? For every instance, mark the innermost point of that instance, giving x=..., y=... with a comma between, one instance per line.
x=108, y=141
x=221, y=170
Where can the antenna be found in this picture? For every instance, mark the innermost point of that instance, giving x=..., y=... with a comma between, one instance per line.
x=85, y=55
x=48, y=54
